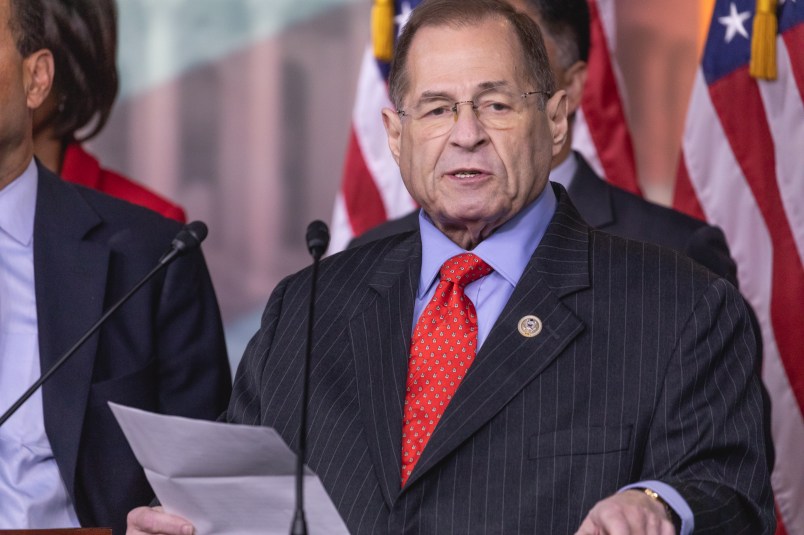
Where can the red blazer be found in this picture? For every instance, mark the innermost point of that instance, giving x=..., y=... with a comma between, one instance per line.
x=82, y=168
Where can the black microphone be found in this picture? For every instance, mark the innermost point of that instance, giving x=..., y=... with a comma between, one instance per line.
x=317, y=238
x=185, y=241
x=188, y=238
x=317, y=242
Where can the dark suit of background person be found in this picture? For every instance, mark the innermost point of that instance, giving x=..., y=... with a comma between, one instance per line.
x=541, y=428
x=163, y=351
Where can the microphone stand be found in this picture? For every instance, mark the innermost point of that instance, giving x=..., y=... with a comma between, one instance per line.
x=317, y=241
x=188, y=238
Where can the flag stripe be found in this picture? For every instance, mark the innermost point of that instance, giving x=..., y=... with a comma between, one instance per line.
x=363, y=202
x=794, y=40
x=730, y=202
x=604, y=113
x=780, y=530
x=740, y=168
x=372, y=97
x=737, y=101
x=340, y=229
x=787, y=427
x=718, y=183
x=781, y=99
x=726, y=198
x=685, y=199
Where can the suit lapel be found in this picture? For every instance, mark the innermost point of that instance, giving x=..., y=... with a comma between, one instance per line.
x=591, y=196
x=70, y=279
x=380, y=335
x=508, y=361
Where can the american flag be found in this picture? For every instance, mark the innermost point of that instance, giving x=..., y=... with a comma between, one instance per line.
x=372, y=190
x=741, y=168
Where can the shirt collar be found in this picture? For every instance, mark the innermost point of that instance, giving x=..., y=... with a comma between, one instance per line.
x=563, y=172
x=508, y=250
x=18, y=206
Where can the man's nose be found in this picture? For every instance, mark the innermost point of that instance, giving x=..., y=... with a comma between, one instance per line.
x=467, y=131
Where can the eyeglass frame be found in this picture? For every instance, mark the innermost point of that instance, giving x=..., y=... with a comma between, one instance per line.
x=454, y=108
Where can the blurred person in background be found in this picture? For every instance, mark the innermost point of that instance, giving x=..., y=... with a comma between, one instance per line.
x=66, y=254
x=82, y=36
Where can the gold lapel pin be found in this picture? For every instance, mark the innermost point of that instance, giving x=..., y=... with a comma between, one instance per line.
x=530, y=326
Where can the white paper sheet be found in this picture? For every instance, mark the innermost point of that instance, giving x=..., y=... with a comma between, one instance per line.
x=226, y=479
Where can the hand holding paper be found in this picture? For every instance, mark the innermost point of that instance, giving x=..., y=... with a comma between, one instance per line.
x=223, y=478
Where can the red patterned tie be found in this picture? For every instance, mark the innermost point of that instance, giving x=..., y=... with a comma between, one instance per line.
x=442, y=349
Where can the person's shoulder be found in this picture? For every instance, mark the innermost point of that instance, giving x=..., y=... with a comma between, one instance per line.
x=633, y=215
x=406, y=223
x=647, y=260
x=401, y=246
x=646, y=210
x=114, y=217
x=385, y=256
x=122, y=187
x=643, y=220
x=117, y=211
x=659, y=212
x=81, y=167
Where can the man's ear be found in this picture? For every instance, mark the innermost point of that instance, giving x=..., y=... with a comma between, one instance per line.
x=38, y=72
x=556, y=111
x=393, y=129
x=573, y=80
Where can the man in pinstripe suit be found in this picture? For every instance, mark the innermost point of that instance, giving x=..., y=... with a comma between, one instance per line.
x=633, y=405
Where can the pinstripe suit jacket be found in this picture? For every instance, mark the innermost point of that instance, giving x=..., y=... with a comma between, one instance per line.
x=645, y=369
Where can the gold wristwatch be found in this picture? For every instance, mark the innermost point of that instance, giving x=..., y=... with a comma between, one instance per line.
x=654, y=495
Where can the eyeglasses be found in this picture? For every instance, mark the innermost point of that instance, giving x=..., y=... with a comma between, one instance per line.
x=496, y=108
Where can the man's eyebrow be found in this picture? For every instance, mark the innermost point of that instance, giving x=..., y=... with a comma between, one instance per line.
x=484, y=86
x=430, y=94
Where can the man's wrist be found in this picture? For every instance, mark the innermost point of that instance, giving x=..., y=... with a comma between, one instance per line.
x=682, y=516
x=670, y=514
x=658, y=499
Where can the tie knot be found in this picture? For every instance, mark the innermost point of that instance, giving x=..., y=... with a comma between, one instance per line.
x=464, y=268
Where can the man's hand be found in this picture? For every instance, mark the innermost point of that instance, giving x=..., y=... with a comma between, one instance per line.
x=627, y=513
x=150, y=520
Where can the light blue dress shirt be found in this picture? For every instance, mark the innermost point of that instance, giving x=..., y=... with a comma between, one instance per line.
x=32, y=493
x=508, y=250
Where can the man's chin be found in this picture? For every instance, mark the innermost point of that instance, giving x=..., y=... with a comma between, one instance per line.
x=468, y=218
